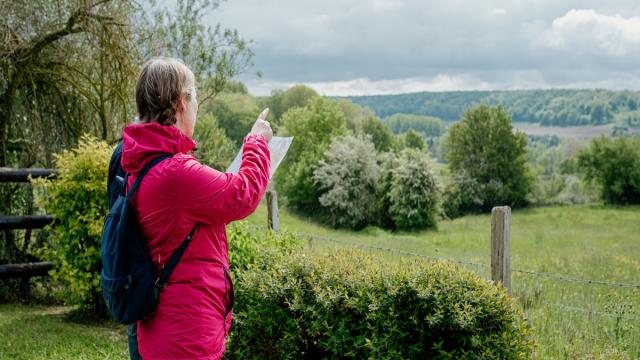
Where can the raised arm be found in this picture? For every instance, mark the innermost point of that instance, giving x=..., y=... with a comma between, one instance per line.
x=210, y=196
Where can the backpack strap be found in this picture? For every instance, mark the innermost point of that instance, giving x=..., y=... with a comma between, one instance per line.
x=142, y=173
x=161, y=282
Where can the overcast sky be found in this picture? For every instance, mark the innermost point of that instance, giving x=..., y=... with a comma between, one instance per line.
x=357, y=47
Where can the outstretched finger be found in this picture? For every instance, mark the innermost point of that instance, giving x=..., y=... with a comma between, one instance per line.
x=263, y=114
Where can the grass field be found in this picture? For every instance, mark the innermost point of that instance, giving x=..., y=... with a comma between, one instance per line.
x=38, y=332
x=570, y=320
x=575, y=132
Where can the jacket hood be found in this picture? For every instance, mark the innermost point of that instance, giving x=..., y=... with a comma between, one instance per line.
x=143, y=142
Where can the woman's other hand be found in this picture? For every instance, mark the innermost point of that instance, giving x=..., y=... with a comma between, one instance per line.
x=262, y=126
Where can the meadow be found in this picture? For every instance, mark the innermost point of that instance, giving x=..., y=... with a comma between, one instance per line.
x=570, y=319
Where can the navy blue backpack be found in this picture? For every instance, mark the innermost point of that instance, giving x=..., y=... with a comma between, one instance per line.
x=129, y=285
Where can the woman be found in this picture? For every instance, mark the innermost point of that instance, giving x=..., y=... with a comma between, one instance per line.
x=194, y=312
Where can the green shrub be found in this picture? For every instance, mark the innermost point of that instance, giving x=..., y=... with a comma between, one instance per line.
x=247, y=247
x=78, y=201
x=462, y=195
x=347, y=177
x=348, y=305
x=614, y=165
x=414, y=193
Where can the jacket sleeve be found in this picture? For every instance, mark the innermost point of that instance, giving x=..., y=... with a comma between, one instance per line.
x=210, y=196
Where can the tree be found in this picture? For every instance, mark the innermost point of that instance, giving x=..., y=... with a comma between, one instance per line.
x=313, y=127
x=66, y=68
x=413, y=140
x=380, y=134
x=214, y=54
x=347, y=177
x=356, y=115
x=414, y=195
x=483, y=148
x=235, y=113
x=281, y=101
x=427, y=125
x=613, y=164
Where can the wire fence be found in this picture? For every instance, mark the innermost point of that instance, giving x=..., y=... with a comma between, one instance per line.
x=552, y=276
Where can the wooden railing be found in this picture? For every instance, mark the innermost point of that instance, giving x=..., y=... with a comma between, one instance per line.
x=13, y=222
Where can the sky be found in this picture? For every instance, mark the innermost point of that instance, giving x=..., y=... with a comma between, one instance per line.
x=366, y=47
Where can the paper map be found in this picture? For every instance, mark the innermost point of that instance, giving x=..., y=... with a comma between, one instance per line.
x=278, y=147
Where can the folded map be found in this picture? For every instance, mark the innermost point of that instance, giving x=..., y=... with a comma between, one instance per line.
x=278, y=147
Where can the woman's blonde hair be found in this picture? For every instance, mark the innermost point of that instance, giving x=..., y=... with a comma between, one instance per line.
x=161, y=83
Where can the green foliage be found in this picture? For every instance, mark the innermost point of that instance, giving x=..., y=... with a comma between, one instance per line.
x=388, y=163
x=558, y=183
x=214, y=54
x=413, y=140
x=281, y=101
x=77, y=200
x=66, y=68
x=214, y=147
x=428, y=126
x=414, y=193
x=349, y=305
x=380, y=134
x=462, y=195
x=613, y=164
x=355, y=114
x=236, y=87
x=247, y=247
x=235, y=114
x=561, y=107
x=313, y=127
x=347, y=178
x=488, y=161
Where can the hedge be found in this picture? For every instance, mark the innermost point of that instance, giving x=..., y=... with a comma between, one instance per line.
x=346, y=304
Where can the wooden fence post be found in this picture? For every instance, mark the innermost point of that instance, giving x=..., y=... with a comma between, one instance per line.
x=500, y=267
x=272, y=211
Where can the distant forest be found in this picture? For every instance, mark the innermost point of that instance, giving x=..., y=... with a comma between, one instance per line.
x=547, y=107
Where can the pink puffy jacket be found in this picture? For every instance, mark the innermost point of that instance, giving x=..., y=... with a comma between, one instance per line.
x=193, y=315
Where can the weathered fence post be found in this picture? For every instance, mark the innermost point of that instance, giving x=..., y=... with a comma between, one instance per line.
x=500, y=267
x=272, y=211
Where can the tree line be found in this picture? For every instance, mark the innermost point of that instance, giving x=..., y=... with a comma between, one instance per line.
x=558, y=107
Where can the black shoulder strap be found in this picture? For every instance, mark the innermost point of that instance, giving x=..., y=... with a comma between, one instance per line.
x=142, y=173
x=173, y=261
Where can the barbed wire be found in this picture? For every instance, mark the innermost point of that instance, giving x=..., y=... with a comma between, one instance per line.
x=464, y=262
x=577, y=280
x=399, y=251
x=589, y=311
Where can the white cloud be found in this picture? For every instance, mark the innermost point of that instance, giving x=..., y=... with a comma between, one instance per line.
x=587, y=31
x=511, y=80
x=499, y=11
x=365, y=86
